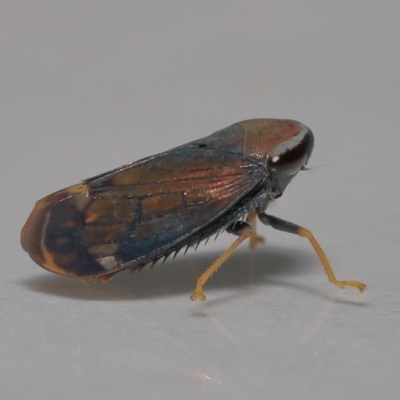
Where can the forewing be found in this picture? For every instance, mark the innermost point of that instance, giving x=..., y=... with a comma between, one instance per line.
x=134, y=214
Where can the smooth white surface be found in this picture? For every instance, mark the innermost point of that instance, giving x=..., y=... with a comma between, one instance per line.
x=87, y=86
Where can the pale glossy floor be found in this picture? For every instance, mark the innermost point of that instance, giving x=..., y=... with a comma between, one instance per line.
x=87, y=87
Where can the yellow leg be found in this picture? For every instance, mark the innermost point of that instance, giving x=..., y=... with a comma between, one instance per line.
x=289, y=227
x=254, y=238
x=325, y=263
x=198, y=291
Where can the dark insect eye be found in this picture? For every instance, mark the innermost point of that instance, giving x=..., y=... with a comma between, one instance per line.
x=289, y=157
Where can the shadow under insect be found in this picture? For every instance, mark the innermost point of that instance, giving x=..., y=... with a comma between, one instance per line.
x=176, y=277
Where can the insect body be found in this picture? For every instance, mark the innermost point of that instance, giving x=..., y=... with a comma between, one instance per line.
x=144, y=211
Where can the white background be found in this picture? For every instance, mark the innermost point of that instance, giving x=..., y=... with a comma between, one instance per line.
x=86, y=86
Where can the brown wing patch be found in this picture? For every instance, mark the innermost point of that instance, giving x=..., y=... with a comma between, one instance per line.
x=156, y=170
x=159, y=203
x=111, y=210
x=34, y=231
